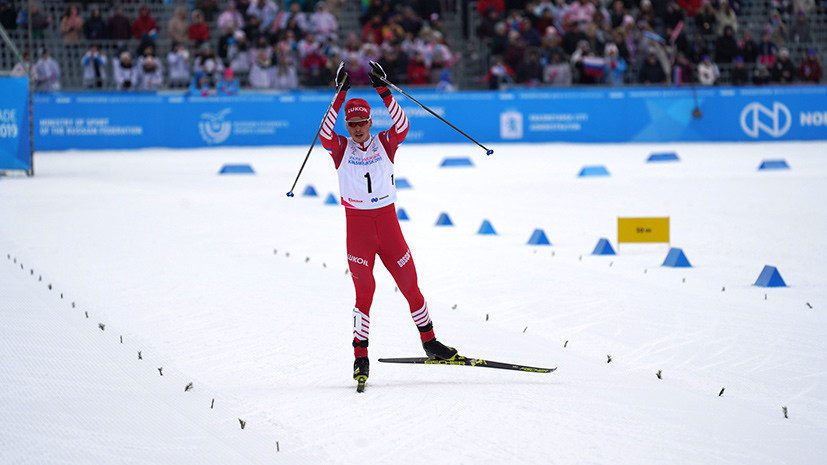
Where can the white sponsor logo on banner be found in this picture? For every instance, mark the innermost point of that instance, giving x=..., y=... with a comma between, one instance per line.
x=8, y=123
x=213, y=128
x=754, y=119
x=511, y=125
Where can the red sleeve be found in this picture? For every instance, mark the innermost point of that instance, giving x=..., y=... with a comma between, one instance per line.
x=394, y=136
x=332, y=142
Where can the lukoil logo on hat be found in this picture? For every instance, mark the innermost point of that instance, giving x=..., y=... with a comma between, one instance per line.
x=357, y=109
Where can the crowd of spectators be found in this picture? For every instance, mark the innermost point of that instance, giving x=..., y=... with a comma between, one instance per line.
x=216, y=47
x=552, y=42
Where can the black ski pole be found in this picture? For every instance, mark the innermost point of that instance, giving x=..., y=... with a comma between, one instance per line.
x=290, y=193
x=394, y=87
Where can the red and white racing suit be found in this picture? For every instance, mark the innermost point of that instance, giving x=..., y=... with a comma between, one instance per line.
x=368, y=193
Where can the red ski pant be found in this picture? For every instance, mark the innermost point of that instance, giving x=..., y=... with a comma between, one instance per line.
x=377, y=232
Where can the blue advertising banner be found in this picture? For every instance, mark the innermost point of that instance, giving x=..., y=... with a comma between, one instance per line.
x=136, y=120
x=14, y=124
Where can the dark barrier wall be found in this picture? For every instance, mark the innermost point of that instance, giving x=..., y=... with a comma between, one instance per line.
x=135, y=120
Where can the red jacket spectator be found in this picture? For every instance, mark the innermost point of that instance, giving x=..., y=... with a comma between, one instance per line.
x=372, y=32
x=484, y=5
x=690, y=6
x=199, y=31
x=417, y=71
x=810, y=68
x=144, y=23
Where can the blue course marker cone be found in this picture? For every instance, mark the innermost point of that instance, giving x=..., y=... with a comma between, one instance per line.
x=538, y=237
x=774, y=165
x=770, y=277
x=603, y=247
x=589, y=171
x=676, y=259
x=331, y=200
x=666, y=156
x=402, y=183
x=237, y=169
x=444, y=220
x=458, y=161
x=310, y=191
x=486, y=228
x=401, y=215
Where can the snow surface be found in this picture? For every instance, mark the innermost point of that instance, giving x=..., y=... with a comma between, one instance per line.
x=226, y=283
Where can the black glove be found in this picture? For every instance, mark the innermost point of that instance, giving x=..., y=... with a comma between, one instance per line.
x=377, y=74
x=343, y=80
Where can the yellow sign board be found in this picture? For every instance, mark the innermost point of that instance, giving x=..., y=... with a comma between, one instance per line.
x=643, y=230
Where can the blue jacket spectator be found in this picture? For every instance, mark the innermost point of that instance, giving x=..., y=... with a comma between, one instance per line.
x=228, y=84
x=199, y=86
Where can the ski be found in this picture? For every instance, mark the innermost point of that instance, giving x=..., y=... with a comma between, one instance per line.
x=468, y=361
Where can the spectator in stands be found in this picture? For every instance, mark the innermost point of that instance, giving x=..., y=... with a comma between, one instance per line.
x=747, y=47
x=253, y=30
x=530, y=71
x=499, y=75
x=617, y=14
x=48, y=72
x=651, y=72
x=286, y=76
x=230, y=17
x=705, y=20
x=418, y=70
x=313, y=65
x=93, y=63
x=124, y=72
x=777, y=29
x=484, y=5
x=697, y=49
x=8, y=16
x=372, y=30
x=198, y=31
x=264, y=10
x=71, y=25
x=150, y=73
x=294, y=18
x=673, y=15
x=647, y=13
x=726, y=47
x=515, y=52
x=761, y=76
x=199, y=86
x=499, y=41
x=178, y=27
x=118, y=26
x=238, y=53
x=411, y=22
x=589, y=68
x=783, y=70
x=708, y=72
x=573, y=35
x=740, y=75
x=228, y=85
x=207, y=63
x=40, y=21
x=800, y=29
x=615, y=66
x=208, y=8
x=810, y=69
x=684, y=72
x=178, y=63
x=766, y=50
x=22, y=68
x=94, y=28
x=724, y=17
x=558, y=71
x=261, y=70
x=145, y=24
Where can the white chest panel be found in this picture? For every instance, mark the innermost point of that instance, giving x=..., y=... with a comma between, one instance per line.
x=366, y=176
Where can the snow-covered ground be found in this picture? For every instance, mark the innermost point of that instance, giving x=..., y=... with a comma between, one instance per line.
x=225, y=283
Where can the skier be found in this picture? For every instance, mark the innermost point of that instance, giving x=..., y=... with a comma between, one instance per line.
x=364, y=164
